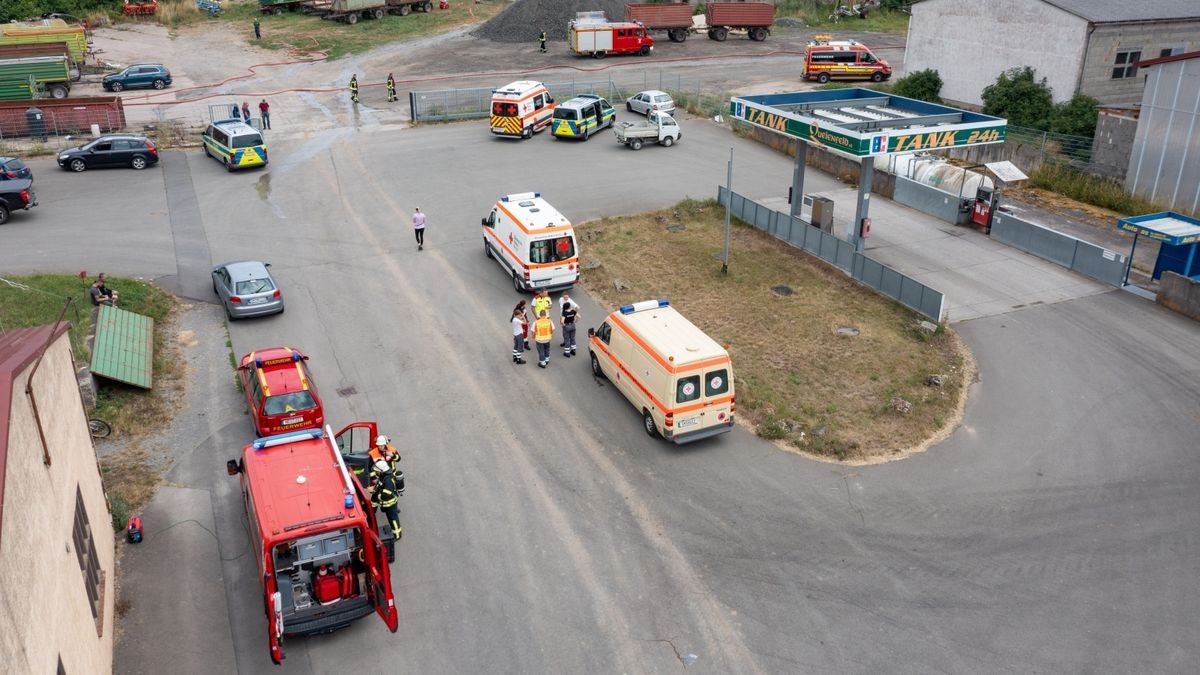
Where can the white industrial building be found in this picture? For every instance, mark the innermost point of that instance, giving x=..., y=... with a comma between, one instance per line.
x=1164, y=166
x=1079, y=46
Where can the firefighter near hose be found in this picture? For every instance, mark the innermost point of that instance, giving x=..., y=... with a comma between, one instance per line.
x=354, y=88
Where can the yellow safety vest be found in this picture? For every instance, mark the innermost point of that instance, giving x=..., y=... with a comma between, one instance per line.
x=542, y=330
x=540, y=305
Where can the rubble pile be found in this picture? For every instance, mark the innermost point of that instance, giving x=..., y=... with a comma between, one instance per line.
x=524, y=20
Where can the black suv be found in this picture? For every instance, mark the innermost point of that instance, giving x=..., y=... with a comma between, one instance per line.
x=106, y=151
x=15, y=194
x=12, y=168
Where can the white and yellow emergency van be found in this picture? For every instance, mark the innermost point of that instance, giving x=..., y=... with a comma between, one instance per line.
x=235, y=144
x=521, y=108
x=533, y=242
x=679, y=378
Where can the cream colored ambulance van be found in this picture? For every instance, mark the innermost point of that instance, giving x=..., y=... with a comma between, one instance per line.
x=533, y=242
x=521, y=108
x=679, y=378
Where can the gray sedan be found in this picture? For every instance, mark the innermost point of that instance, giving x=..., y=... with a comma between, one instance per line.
x=246, y=288
x=647, y=102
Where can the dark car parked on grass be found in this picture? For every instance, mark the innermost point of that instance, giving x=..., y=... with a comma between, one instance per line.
x=141, y=75
x=15, y=194
x=12, y=168
x=133, y=151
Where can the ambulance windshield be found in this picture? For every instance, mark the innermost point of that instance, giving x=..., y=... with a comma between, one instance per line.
x=552, y=250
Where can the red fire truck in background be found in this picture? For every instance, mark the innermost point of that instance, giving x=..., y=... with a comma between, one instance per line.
x=314, y=534
x=591, y=35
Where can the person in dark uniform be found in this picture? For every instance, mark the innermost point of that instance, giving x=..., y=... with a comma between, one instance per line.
x=542, y=40
x=385, y=496
x=391, y=85
x=354, y=88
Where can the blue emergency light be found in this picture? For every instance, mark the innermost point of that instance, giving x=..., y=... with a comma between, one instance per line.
x=644, y=305
x=287, y=437
x=524, y=195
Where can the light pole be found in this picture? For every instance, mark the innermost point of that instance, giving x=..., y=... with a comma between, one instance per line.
x=728, y=206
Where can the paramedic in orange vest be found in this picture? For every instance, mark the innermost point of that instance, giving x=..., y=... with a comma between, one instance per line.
x=543, y=332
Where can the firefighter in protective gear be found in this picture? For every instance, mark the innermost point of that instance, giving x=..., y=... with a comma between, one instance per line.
x=391, y=85
x=385, y=497
x=354, y=88
x=386, y=451
x=542, y=40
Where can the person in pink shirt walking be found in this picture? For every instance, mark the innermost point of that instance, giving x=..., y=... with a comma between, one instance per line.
x=419, y=228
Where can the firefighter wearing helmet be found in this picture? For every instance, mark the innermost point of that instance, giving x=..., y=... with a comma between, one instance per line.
x=387, y=452
x=384, y=495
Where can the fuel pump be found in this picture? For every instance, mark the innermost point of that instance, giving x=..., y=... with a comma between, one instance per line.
x=986, y=201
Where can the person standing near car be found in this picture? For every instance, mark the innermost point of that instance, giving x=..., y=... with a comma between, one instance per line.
x=235, y=112
x=264, y=110
x=246, y=111
x=570, y=314
x=419, y=228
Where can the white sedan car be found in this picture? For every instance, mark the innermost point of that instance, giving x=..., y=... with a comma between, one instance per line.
x=647, y=102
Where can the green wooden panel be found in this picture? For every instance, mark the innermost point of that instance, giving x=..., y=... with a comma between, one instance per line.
x=123, y=347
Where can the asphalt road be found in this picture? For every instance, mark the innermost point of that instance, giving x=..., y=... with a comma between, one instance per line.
x=1055, y=531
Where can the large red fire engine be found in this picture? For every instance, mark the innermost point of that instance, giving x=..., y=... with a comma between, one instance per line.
x=592, y=36
x=314, y=535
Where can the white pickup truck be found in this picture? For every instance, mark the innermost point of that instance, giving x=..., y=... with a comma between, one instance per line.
x=658, y=128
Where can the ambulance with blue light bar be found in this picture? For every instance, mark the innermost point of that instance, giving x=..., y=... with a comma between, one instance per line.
x=314, y=536
x=680, y=379
x=280, y=391
x=533, y=242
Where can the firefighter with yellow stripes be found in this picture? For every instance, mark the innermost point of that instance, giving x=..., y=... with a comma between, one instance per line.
x=354, y=88
x=385, y=497
x=391, y=85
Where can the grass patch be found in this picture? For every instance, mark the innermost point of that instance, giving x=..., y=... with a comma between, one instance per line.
x=1091, y=189
x=816, y=13
x=130, y=480
x=298, y=32
x=798, y=380
x=38, y=300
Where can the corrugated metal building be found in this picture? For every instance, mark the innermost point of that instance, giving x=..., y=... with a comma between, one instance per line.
x=1164, y=166
x=1079, y=46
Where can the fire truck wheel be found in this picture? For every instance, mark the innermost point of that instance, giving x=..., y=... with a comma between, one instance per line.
x=877, y=77
x=645, y=50
x=822, y=77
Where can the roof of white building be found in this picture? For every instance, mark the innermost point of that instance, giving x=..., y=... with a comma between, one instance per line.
x=1120, y=11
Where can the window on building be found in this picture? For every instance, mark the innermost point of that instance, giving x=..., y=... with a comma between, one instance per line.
x=1169, y=51
x=89, y=563
x=1126, y=64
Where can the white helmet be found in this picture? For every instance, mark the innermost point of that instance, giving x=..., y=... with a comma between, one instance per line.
x=382, y=440
x=382, y=466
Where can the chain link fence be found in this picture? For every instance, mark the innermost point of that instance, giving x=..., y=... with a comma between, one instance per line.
x=448, y=105
x=1074, y=149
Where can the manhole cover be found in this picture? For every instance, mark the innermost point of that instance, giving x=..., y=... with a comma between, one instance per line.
x=348, y=391
x=782, y=290
x=676, y=227
x=847, y=330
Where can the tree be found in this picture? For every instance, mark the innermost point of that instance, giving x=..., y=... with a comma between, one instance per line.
x=1076, y=117
x=1020, y=98
x=923, y=85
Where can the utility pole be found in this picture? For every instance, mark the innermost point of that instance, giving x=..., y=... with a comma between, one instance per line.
x=728, y=206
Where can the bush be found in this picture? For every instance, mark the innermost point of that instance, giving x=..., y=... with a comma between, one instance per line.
x=1076, y=117
x=923, y=85
x=1020, y=98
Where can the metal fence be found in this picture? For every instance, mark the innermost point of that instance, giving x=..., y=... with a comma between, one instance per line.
x=1078, y=255
x=840, y=253
x=447, y=105
x=1076, y=149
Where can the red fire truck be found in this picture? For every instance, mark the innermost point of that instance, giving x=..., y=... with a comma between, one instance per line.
x=314, y=534
x=595, y=37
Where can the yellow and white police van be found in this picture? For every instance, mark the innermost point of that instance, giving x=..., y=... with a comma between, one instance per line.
x=521, y=108
x=582, y=116
x=235, y=144
x=534, y=243
x=679, y=378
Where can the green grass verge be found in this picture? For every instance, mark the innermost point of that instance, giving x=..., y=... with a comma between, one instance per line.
x=294, y=31
x=1092, y=189
x=816, y=13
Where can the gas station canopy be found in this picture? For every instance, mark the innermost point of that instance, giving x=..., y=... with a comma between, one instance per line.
x=1170, y=228
x=865, y=123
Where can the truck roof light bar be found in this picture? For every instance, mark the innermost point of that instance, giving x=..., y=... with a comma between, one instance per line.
x=284, y=438
x=644, y=305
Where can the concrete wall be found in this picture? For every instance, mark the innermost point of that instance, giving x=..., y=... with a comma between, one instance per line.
x=1113, y=144
x=930, y=200
x=970, y=42
x=1164, y=166
x=1180, y=294
x=44, y=610
x=1150, y=38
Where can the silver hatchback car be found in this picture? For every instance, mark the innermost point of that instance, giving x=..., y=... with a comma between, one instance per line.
x=647, y=102
x=246, y=288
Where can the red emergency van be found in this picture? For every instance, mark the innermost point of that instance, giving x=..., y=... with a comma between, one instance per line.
x=280, y=391
x=598, y=38
x=314, y=536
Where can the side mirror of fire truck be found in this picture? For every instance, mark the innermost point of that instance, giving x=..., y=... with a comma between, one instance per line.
x=233, y=467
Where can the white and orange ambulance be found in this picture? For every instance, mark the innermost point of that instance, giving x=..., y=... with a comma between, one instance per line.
x=521, y=108
x=533, y=242
x=677, y=376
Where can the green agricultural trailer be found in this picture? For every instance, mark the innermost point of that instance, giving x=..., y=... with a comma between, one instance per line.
x=34, y=77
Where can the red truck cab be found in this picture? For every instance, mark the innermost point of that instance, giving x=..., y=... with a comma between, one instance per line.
x=280, y=391
x=314, y=537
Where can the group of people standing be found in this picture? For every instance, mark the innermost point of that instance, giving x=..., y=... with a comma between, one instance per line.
x=391, y=88
x=386, y=481
x=264, y=111
x=543, y=327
